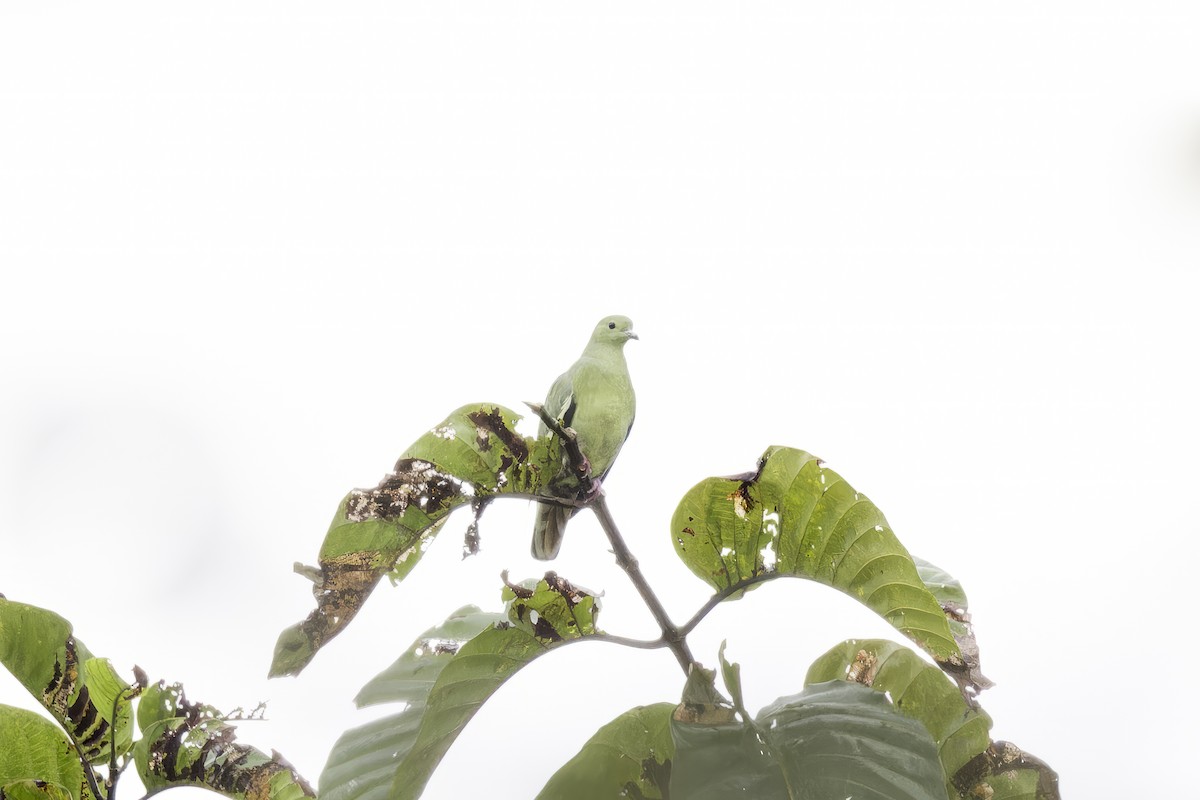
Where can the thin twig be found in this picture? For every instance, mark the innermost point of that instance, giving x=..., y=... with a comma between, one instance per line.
x=671, y=635
x=722, y=596
x=88, y=773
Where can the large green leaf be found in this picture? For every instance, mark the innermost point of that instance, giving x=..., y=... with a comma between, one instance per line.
x=840, y=739
x=43, y=756
x=190, y=744
x=794, y=517
x=718, y=759
x=918, y=690
x=628, y=757
x=444, y=678
x=473, y=455
x=85, y=694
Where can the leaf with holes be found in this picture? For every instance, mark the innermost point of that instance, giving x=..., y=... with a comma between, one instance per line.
x=190, y=744
x=794, y=517
x=82, y=692
x=474, y=455
x=628, y=757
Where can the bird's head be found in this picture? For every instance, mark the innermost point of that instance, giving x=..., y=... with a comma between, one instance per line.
x=614, y=330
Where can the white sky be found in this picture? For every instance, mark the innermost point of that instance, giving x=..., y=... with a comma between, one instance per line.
x=249, y=252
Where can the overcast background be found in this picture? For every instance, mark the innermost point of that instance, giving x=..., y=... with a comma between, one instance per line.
x=251, y=251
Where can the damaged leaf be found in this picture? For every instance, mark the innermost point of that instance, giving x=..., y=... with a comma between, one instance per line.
x=953, y=600
x=79, y=690
x=628, y=757
x=917, y=689
x=45, y=765
x=190, y=744
x=794, y=517
x=552, y=609
x=473, y=455
x=1004, y=772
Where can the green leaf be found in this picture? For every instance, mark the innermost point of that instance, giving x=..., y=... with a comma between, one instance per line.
x=628, y=757
x=840, y=739
x=79, y=690
x=731, y=673
x=917, y=689
x=794, y=517
x=721, y=758
x=190, y=744
x=33, y=790
x=444, y=678
x=44, y=755
x=1005, y=772
x=473, y=455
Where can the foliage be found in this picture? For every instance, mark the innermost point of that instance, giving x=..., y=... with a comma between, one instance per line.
x=83, y=756
x=875, y=719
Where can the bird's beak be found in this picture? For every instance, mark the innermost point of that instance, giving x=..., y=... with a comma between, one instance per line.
x=631, y=334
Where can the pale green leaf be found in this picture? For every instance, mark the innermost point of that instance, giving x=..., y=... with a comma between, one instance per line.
x=36, y=750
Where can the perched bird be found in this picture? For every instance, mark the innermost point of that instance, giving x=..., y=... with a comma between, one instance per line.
x=594, y=398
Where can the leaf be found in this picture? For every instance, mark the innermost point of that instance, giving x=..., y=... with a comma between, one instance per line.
x=1005, y=772
x=473, y=455
x=79, y=690
x=364, y=759
x=628, y=757
x=444, y=678
x=840, y=739
x=189, y=744
x=33, y=790
x=44, y=756
x=793, y=517
x=721, y=758
x=917, y=689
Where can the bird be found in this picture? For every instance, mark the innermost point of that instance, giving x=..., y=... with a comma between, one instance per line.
x=594, y=397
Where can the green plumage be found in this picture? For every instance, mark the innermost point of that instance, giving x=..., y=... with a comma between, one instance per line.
x=595, y=398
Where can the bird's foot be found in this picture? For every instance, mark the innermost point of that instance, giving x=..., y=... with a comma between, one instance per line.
x=594, y=490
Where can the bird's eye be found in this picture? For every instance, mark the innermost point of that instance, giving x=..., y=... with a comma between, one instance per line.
x=612, y=325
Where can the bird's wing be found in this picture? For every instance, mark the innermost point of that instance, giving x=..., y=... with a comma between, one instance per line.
x=560, y=401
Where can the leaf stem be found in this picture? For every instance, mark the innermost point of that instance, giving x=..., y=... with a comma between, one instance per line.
x=722, y=596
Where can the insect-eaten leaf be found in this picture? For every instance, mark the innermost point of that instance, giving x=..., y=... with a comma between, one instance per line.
x=444, y=677
x=794, y=517
x=191, y=744
x=953, y=600
x=84, y=693
x=552, y=609
x=1005, y=772
x=473, y=455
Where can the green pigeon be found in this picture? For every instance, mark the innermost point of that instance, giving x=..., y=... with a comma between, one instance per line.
x=595, y=398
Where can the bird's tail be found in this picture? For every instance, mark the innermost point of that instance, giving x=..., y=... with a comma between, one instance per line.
x=548, y=528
